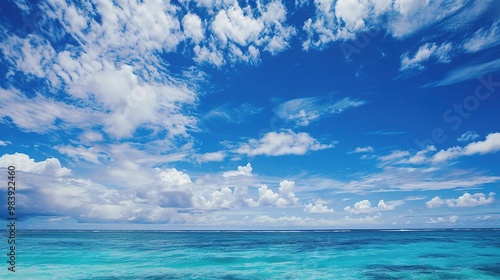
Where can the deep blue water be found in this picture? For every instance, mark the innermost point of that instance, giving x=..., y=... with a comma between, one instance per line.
x=359, y=254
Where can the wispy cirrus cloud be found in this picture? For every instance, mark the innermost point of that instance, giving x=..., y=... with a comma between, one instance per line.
x=467, y=72
x=424, y=53
x=4, y=143
x=367, y=149
x=483, y=38
x=304, y=111
x=468, y=136
x=233, y=114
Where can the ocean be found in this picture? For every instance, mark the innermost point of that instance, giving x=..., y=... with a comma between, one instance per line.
x=349, y=254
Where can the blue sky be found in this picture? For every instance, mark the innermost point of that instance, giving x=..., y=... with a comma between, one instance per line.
x=252, y=115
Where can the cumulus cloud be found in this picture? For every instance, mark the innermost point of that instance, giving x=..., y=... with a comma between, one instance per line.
x=364, y=207
x=22, y=162
x=193, y=27
x=241, y=171
x=429, y=155
x=466, y=200
x=173, y=177
x=232, y=24
x=240, y=34
x=285, y=197
x=304, y=111
x=285, y=142
x=111, y=75
x=287, y=189
x=267, y=196
x=153, y=196
x=87, y=201
x=317, y=208
x=435, y=202
x=490, y=145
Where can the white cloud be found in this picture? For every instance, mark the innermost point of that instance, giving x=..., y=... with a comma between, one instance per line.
x=287, y=193
x=133, y=104
x=424, y=53
x=367, y=149
x=468, y=136
x=435, y=202
x=394, y=155
x=242, y=33
x=312, y=222
x=22, y=162
x=234, y=25
x=483, y=38
x=303, y=111
x=40, y=114
x=91, y=136
x=31, y=55
x=352, y=13
x=241, y=171
x=317, y=208
x=4, y=143
x=421, y=156
x=285, y=197
x=466, y=200
x=285, y=142
x=91, y=154
x=467, y=72
x=112, y=72
x=342, y=20
x=490, y=145
x=409, y=16
x=87, y=201
x=451, y=219
x=173, y=177
x=193, y=27
x=450, y=153
x=267, y=196
x=364, y=207
x=207, y=157
x=483, y=218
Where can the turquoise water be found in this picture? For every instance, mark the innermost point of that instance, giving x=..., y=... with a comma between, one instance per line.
x=363, y=254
